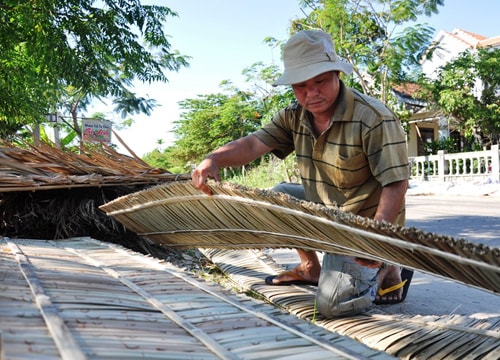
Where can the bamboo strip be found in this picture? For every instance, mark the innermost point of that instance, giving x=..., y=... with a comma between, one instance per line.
x=128, y=331
x=337, y=349
x=65, y=342
x=170, y=313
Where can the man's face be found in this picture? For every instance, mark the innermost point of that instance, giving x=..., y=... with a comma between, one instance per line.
x=319, y=93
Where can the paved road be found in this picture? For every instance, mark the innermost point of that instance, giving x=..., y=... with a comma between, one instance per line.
x=475, y=218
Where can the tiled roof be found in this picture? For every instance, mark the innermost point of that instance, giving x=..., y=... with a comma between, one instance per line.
x=477, y=36
x=493, y=41
x=461, y=39
x=407, y=88
x=474, y=40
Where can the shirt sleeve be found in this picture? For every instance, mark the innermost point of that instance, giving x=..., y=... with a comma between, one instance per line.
x=278, y=133
x=386, y=150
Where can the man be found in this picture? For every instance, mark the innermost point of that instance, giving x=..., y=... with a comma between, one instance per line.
x=351, y=152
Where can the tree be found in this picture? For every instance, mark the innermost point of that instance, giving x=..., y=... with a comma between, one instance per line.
x=75, y=50
x=375, y=36
x=260, y=77
x=467, y=89
x=210, y=121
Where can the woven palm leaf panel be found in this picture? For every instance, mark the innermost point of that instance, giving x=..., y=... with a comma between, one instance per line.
x=405, y=336
x=235, y=217
x=79, y=299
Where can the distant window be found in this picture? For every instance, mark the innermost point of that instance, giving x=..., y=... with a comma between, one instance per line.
x=426, y=136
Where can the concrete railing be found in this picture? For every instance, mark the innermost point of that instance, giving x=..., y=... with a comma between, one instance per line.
x=483, y=166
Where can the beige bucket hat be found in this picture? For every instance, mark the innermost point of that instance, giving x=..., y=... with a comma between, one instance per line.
x=307, y=54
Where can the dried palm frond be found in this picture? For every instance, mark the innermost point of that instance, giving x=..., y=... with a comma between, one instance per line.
x=235, y=217
x=45, y=167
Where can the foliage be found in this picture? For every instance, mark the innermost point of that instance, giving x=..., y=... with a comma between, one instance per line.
x=260, y=78
x=376, y=38
x=467, y=88
x=163, y=160
x=269, y=173
x=366, y=34
x=55, y=52
x=210, y=121
x=449, y=145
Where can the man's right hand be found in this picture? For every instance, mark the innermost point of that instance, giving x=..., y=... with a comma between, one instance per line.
x=207, y=169
x=236, y=153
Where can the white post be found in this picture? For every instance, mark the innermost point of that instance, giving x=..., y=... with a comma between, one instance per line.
x=495, y=163
x=441, y=165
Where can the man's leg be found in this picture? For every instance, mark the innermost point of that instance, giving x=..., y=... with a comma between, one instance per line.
x=293, y=189
x=345, y=287
x=309, y=267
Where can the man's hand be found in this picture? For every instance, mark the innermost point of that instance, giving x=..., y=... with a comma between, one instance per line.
x=236, y=153
x=207, y=169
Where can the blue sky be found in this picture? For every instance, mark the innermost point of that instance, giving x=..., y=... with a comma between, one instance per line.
x=225, y=36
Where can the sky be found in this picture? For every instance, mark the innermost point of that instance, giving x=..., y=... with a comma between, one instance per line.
x=223, y=37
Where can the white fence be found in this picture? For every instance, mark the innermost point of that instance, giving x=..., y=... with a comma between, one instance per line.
x=483, y=166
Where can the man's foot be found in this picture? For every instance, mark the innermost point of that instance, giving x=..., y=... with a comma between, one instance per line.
x=296, y=276
x=393, y=285
x=288, y=278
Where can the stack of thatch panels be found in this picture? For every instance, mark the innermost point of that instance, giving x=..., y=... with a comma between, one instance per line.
x=44, y=167
x=51, y=193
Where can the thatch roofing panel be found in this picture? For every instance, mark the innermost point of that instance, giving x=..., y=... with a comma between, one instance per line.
x=403, y=336
x=174, y=317
x=235, y=217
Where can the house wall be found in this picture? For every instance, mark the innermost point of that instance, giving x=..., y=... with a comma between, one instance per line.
x=450, y=46
x=414, y=138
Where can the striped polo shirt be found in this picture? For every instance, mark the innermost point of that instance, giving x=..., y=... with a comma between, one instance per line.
x=363, y=149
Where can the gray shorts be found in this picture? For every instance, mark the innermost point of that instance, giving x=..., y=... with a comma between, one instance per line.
x=345, y=288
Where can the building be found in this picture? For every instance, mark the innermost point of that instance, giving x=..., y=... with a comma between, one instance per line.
x=428, y=126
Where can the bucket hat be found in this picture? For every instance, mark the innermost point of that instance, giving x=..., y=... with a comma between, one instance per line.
x=307, y=54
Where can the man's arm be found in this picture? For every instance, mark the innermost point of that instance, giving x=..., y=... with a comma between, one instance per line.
x=236, y=153
x=391, y=200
